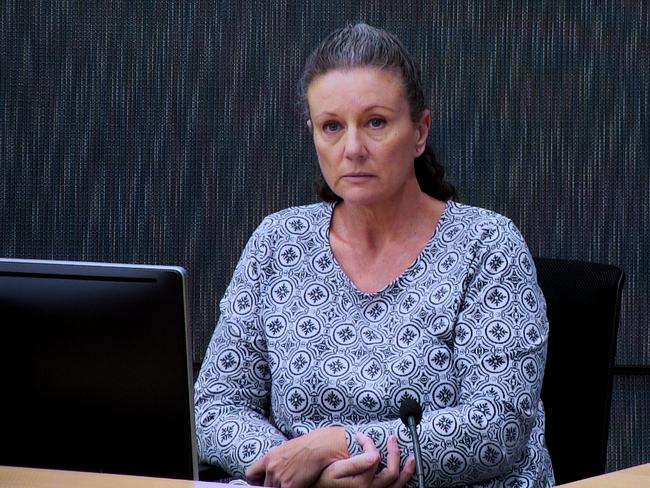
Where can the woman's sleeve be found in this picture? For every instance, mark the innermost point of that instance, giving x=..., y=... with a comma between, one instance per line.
x=231, y=394
x=498, y=359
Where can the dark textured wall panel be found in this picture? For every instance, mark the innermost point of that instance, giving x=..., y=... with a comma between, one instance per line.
x=162, y=132
x=629, y=430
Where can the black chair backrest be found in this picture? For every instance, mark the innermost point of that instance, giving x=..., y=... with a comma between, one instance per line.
x=583, y=301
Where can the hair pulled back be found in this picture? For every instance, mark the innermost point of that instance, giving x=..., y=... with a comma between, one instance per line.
x=361, y=45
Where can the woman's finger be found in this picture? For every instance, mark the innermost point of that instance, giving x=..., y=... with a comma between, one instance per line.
x=366, y=443
x=406, y=474
x=256, y=471
x=389, y=475
x=354, y=466
x=268, y=480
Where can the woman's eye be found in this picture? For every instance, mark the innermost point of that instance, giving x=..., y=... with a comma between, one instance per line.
x=377, y=123
x=331, y=126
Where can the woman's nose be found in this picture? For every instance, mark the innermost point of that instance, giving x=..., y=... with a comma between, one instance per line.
x=355, y=147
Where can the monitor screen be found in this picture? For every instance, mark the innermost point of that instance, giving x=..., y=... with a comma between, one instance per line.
x=95, y=373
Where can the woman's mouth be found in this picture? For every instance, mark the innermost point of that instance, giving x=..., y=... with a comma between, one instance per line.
x=357, y=177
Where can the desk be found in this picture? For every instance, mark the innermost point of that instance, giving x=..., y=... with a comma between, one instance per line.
x=11, y=477
x=636, y=477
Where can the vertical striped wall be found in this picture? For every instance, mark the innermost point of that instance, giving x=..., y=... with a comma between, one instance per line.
x=162, y=132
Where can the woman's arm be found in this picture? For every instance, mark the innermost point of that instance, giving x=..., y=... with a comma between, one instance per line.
x=300, y=461
x=497, y=363
x=232, y=390
x=360, y=471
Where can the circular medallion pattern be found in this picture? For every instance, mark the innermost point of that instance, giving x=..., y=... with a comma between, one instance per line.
x=296, y=400
x=323, y=263
x=375, y=310
x=439, y=358
x=404, y=366
x=336, y=366
x=248, y=450
x=496, y=263
x=344, y=334
x=407, y=336
x=445, y=424
x=490, y=455
x=289, y=255
x=228, y=361
x=332, y=399
x=409, y=302
x=530, y=370
x=447, y=262
x=275, y=326
x=498, y=332
x=297, y=226
x=308, y=327
x=243, y=303
x=444, y=395
x=453, y=463
x=530, y=301
x=369, y=401
x=281, y=292
x=227, y=433
x=300, y=363
x=440, y=293
x=497, y=297
x=316, y=294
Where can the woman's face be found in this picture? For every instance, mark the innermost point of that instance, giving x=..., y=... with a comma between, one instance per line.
x=364, y=136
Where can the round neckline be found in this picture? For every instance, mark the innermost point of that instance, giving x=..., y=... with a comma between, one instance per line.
x=327, y=222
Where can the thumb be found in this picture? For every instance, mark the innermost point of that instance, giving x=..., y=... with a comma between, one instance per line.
x=256, y=471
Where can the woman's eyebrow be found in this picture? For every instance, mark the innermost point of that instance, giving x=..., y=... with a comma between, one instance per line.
x=380, y=106
x=366, y=109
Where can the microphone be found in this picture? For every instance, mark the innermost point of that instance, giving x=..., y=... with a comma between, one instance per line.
x=410, y=412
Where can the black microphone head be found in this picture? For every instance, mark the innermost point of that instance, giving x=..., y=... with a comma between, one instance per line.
x=409, y=407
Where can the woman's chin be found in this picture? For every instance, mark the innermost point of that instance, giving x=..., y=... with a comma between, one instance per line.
x=367, y=197
x=359, y=198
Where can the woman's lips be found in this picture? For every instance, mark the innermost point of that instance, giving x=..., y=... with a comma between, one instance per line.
x=357, y=177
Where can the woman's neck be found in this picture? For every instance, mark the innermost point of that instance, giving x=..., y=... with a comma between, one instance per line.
x=412, y=216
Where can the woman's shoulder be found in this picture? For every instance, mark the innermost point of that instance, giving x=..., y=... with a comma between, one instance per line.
x=309, y=211
x=471, y=215
x=297, y=220
x=480, y=223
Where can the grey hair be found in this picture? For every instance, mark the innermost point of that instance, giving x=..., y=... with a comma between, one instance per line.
x=361, y=45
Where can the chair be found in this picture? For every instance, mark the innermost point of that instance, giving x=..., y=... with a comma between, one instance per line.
x=583, y=301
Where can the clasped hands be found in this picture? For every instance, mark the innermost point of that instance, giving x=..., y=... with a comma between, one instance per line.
x=321, y=459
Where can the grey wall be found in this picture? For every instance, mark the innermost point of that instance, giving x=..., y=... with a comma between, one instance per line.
x=162, y=132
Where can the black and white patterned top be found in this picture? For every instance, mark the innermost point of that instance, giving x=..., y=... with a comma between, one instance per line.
x=463, y=330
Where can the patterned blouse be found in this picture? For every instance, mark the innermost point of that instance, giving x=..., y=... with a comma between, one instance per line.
x=463, y=330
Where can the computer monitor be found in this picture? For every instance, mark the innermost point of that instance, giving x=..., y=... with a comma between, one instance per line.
x=95, y=373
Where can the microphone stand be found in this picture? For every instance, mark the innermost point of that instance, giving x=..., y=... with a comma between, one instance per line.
x=410, y=411
x=416, y=448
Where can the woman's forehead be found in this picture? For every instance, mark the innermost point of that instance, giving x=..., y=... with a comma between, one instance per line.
x=356, y=86
x=375, y=73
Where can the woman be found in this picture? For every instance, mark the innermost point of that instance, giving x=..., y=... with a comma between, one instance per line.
x=387, y=289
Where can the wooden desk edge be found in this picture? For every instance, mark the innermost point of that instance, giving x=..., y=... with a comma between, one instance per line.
x=637, y=476
x=15, y=477
x=18, y=477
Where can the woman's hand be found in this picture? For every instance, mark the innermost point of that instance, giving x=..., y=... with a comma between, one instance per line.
x=359, y=471
x=300, y=461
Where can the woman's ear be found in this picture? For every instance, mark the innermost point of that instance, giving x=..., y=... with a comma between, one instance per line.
x=309, y=126
x=422, y=127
